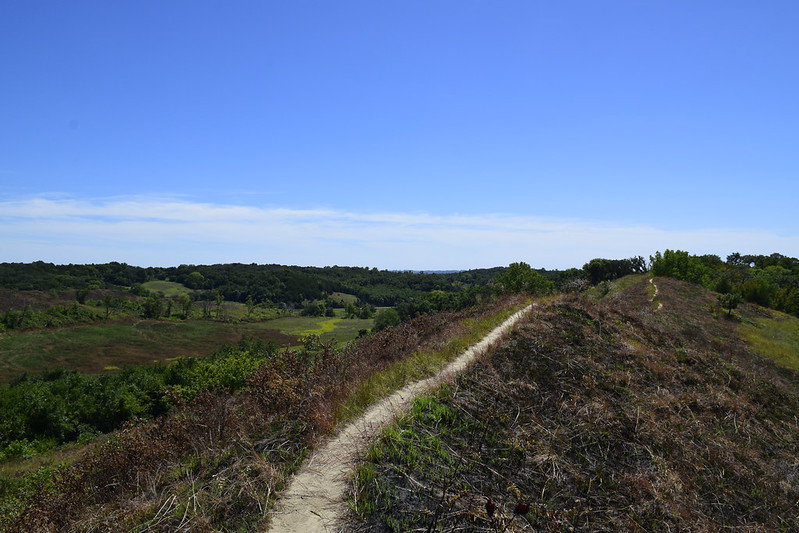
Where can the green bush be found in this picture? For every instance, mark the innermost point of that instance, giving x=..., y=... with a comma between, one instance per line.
x=681, y=265
x=386, y=318
x=38, y=413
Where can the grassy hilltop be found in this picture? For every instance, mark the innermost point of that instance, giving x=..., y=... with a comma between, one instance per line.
x=611, y=415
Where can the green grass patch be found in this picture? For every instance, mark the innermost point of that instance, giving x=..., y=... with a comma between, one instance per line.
x=776, y=338
x=412, y=444
x=343, y=298
x=169, y=289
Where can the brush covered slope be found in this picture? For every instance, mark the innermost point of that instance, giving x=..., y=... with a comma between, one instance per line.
x=617, y=415
x=216, y=463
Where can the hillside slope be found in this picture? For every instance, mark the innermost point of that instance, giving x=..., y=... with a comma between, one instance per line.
x=618, y=415
x=215, y=463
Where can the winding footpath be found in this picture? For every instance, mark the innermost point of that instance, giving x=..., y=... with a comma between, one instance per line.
x=316, y=497
x=652, y=299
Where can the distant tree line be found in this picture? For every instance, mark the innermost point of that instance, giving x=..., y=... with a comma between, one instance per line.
x=267, y=284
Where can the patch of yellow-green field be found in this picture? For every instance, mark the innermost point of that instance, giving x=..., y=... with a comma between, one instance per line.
x=328, y=328
x=301, y=325
x=776, y=338
x=166, y=288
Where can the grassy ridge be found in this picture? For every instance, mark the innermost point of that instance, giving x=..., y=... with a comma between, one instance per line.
x=600, y=416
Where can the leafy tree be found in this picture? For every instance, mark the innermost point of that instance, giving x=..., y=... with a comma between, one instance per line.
x=599, y=269
x=680, y=265
x=153, y=307
x=81, y=294
x=313, y=309
x=521, y=278
x=220, y=299
x=730, y=301
x=195, y=280
x=110, y=303
x=184, y=301
x=386, y=318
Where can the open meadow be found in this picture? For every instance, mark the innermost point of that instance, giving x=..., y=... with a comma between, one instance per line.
x=109, y=346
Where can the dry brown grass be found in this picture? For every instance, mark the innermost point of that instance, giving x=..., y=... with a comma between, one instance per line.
x=608, y=416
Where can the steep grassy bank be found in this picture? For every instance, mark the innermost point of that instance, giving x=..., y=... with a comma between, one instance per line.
x=618, y=415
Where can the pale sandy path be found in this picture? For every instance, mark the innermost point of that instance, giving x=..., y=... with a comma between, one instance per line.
x=316, y=495
x=652, y=299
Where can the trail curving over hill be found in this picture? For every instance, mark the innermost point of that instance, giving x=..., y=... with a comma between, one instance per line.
x=315, y=498
x=652, y=299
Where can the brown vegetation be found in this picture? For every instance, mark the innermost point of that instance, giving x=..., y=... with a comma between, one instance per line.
x=216, y=464
x=615, y=415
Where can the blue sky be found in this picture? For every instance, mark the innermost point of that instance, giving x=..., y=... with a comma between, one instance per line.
x=414, y=134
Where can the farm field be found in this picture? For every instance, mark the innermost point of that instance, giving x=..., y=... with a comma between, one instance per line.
x=106, y=347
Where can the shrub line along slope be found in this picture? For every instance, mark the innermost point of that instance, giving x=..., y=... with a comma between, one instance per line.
x=314, y=500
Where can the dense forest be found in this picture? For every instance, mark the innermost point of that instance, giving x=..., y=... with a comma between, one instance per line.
x=768, y=280
x=269, y=284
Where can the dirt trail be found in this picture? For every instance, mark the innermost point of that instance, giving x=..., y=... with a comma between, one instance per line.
x=652, y=299
x=316, y=495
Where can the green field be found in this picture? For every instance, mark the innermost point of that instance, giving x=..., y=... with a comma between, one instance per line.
x=169, y=289
x=328, y=328
x=776, y=337
x=343, y=298
x=109, y=346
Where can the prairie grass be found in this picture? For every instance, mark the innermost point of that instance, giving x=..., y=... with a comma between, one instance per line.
x=343, y=298
x=775, y=336
x=91, y=349
x=301, y=326
x=611, y=288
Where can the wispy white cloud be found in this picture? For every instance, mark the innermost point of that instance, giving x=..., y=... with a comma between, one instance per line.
x=169, y=231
